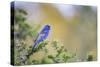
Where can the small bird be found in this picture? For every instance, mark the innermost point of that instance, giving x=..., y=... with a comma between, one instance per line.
x=41, y=36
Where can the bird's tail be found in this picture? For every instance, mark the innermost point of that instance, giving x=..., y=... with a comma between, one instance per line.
x=33, y=50
x=34, y=46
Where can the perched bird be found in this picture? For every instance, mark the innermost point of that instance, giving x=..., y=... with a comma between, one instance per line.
x=41, y=36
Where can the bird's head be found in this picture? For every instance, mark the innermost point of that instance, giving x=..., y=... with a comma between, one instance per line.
x=47, y=27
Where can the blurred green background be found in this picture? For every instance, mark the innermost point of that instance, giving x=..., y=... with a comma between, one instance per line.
x=74, y=26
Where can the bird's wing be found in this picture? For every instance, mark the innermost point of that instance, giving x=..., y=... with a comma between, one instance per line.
x=39, y=39
x=41, y=36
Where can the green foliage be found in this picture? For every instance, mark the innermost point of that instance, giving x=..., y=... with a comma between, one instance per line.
x=90, y=58
x=46, y=60
x=21, y=30
x=61, y=54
